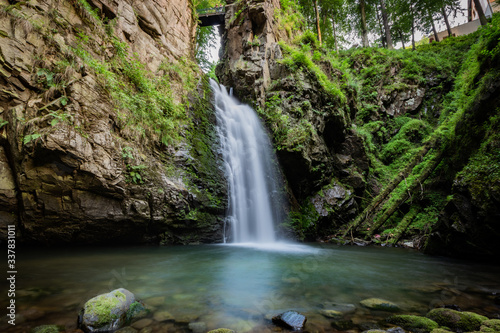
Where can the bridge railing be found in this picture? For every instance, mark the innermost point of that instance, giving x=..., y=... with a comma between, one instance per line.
x=211, y=11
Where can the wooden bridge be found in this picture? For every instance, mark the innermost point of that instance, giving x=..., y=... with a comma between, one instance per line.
x=211, y=16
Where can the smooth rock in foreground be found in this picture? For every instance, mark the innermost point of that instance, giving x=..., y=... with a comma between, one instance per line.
x=290, y=319
x=457, y=321
x=413, y=323
x=379, y=304
x=107, y=312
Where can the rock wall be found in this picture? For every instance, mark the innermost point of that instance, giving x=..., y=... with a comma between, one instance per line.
x=250, y=47
x=69, y=171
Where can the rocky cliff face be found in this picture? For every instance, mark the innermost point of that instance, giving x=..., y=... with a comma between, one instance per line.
x=78, y=164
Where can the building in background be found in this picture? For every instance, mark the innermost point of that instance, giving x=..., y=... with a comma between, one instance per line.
x=489, y=7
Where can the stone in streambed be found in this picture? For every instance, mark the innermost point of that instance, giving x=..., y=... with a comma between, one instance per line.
x=108, y=312
x=339, y=307
x=456, y=320
x=492, y=325
x=379, y=304
x=413, y=323
x=290, y=319
x=331, y=314
x=222, y=330
x=47, y=329
x=198, y=327
x=163, y=316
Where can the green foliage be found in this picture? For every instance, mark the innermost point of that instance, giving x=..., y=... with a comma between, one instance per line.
x=303, y=222
x=3, y=123
x=31, y=137
x=301, y=58
x=136, y=173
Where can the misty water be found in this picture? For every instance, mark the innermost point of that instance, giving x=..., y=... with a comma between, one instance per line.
x=241, y=287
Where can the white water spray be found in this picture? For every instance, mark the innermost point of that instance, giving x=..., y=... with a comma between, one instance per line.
x=249, y=168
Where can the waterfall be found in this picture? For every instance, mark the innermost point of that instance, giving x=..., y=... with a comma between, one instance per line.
x=254, y=198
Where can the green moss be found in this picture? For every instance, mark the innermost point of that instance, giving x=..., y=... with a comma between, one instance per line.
x=463, y=321
x=222, y=330
x=102, y=307
x=491, y=325
x=47, y=329
x=413, y=323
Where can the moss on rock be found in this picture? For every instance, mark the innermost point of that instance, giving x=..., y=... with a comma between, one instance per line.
x=492, y=325
x=222, y=330
x=455, y=320
x=47, y=329
x=413, y=323
x=108, y=311
x=379, y=304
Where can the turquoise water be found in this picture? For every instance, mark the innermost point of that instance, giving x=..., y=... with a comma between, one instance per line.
x=242, y=287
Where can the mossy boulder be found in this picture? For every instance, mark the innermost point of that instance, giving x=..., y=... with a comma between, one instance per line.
x=456, y=320
x=441, y=330
x=379, y=304
x=413, y=323
x=492, y=325
x=109, y=312
x=47, y=329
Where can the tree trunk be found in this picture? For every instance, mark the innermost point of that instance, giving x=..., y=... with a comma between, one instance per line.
x=443, y=11
x=372, y=207
x=364, y=29
x=404, y=224
x=436, y=37
x=402, y=39
x=317, y=20
x=396, y=203
x=334, y=35
x=385, y=19
x=412, y=13
x=382, y=34
x=413, y=34
x=480, y=12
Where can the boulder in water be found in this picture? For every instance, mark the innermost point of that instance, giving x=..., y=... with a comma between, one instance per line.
x=413, y=323
x=108, y=312
x=492, y=325
x=291, y=320
x=456, y=320
x=379, y=304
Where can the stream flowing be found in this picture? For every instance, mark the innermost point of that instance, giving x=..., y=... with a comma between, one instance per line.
x=240, y=287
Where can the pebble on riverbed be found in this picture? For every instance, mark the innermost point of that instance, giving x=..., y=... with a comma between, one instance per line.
x=290, y=319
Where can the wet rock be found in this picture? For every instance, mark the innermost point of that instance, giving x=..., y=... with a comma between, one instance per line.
x=492, y=325
x=107, y=312
x=379, y=304
x=163, y=316
x=342, y=325
x=331, y=313
x=395, y=330
x=290, y=319
x=413, y=323
x=126, y=330
x=440, y=330
x=198, y=327
x=374, y=331
x=140, y=324
x=340, y=307
x=222, y=330
x=48, y=329
x=455, y=320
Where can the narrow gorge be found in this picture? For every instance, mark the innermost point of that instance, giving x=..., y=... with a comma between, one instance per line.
x=315, y=185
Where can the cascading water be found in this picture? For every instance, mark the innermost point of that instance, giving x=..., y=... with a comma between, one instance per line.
x=254, y=198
